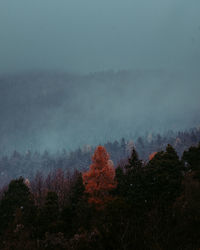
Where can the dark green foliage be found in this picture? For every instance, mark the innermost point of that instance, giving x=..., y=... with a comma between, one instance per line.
x=48, y=215
x=192, y=157
x=130, y=180
x=77, y=189
x=164, y=176
x=76, y=214
x=67, y=218
x=115, y=225
x=187, y=214
x=30, y=163
x=79, y=206
x=192, y=160
x=154, y=206
x=121, y=181
x=134, y=162
x=17, y=197
x=51, y=209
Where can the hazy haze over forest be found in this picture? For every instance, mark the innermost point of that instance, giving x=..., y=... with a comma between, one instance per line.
x=152, y=46
x=92, y=35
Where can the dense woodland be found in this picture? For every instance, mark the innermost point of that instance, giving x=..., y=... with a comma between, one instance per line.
x=100, y=125
x=31, y=163
x=90, y=199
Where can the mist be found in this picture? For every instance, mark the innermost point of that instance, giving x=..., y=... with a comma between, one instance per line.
x=89, y=36
x=53, y=111
x=84, y=72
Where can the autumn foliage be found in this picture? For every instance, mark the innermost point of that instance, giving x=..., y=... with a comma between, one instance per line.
x=100, y=179
x=151, y=156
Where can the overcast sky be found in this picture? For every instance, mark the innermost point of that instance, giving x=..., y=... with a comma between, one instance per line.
x=94, y=35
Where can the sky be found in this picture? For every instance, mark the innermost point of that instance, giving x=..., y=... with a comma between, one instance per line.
x=92, y=35
x=57, y=87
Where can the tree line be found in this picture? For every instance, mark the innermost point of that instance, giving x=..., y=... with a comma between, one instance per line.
x=137, y=204
x=30, y=163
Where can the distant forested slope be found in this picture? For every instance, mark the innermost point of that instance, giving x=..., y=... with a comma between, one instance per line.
x=28, y=164
x=52, y=111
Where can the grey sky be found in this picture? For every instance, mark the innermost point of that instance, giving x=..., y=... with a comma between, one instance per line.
x=95, y=35
x=42, y=106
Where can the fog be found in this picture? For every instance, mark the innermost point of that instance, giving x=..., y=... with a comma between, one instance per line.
x=58, y=110
x=83, y=72
x=90, y=35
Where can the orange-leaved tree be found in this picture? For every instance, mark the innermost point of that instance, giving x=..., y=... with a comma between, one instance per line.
x=151, y=156
x=100, y=179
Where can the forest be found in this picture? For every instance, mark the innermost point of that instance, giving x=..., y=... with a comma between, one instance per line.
x=121, y=195
x=99, y=125
x=30, y=163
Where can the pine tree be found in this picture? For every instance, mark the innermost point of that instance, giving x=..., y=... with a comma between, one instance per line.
x=134, y=162
x=130, y=180
x=77, y=189
x=49, y=215
x=164, y=176
x=191, y=158
x=17, y=197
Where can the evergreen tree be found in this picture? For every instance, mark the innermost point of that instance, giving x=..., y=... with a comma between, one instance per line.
x=77, y=190
x=48, y=216
x=134, y=162
x=192, y=160
x=192, y=157
x=164, y=176
x=17, y=197
x=130, y=180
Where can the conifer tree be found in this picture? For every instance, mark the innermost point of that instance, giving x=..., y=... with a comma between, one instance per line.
x=164, y=175
x=100, y=179
x=134, y=162
x=17, y=197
